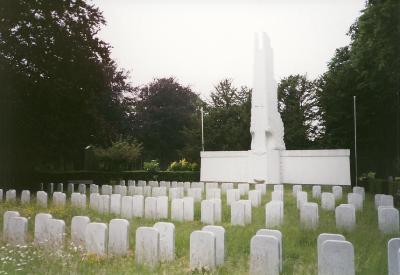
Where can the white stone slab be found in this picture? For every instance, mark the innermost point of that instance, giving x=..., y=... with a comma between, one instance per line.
x=94, y=188
x=139, y=190
x=277, y=195
x=41, y=235
x=226, y=186
x=309, y=215
x=78, y=228
x=359, y=190
x=138, y=206
x=41, y=199
x=238, y=213
x=25, y=197
x=59, y=199
x=302, y=197
x=60, y=187
x=198, y=185
x=186, y=185
x=127, y=207
x=82, y=188
x=147, y=191
x=384, y=200
x=232, y=195
x=17, y=231
x=82, y=201
x=104, y=204
x=6, y=223
x=147, y=246
x=141, y=183
x=218, y=210
x=326, y=237
x=213, y=193
x=203, y=250
x=131, y=183
x=166, y=232
x=393, y=248
x=247, y=211
x=212, y=185
x=255, y=198
x=115, y=204
x=316, y=191
x=162, y=207
x=56, y=233
x=244, y=188
x=76, y=200
x=153, y=183
x=159, y=191
x=219, y=233
x=11, y=195
x=118, y=237
x=70, y=188
x=177, y=210
x=295, y=189
x=345, y=217
x=388, y=219
x=174, y=184
x=96, y=238
x=207, y=212
x=94, y=201
x=195, y=193
x=106, y=189
x=262, y=187
x=356, y=200
x=327, y=201
x=150, y=208
x=1, y=195
x=337, y=258
x=337, y=192
x=166, y=184
x=174, y=193
x=274, y=214
x=279, y=187
x=277, y=234
x=188, y=209
x=264, y=255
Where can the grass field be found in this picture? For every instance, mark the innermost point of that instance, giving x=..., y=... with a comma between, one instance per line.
x=299, y=245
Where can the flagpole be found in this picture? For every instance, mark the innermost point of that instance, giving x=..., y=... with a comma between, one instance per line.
x=202, y=128
x=355, y=139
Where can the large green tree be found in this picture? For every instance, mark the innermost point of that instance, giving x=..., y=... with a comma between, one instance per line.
x=163, y=113
x=60, y=90
x=369, y=68
x=227, y=119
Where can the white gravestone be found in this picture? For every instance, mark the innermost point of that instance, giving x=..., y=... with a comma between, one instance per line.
x=106, y=189
x=25, y=197
x=82, y=188
x=6, y=221
x=138, y=206
x=118, y=237
x=96, y=238
x=327, y=201
x=198, y=185
x=60, y=187
x=174, y=193
x=359, y=190
x=277, y=195
x=166, y=184
x=162, y=207
x=218, y=210
x=166, y=232
x=40, y=230
x=153, y=183
x=295, y=189
x=202, y=250
x=321, y=239
x=384, y=200
x=76, y=200
x=141, y=183
x=131, y=190
x=302, y=197
x=70, y=188
x=232, y=195
x=94, y=201
x=244, y=188
x=207, y=212
x=147, y=191
x=94, y=188
x=41, y=199
x=213, y=193
x=316, y=191
x=212, y=185
x=255, y=198
x=337, y=258
x=356, y=200
x=147, y=246
x=150, y=208
x=177, y=210
x=138, y=190
x=279, y=187
x=262, y=187
x=159, y=191
x=1, y=195
x=219, y=233
x=11, y=195
x=127, y=207
x=82, y=201
x=56, y=233
x=274, y=214
x=337, y=192
x=388, y=219
x=195, y=193
x=264, y=255
x=247, y=211
x=186, y=185
x=188, y=209
x=345, y=217
x=238, y=213
x=115, y=204
x=78, y=228
x=59, y=199
x=18, y=231
x=104, y=204
x=309, y=215
x=226, y=186
x=393, y=248
x=277, y=234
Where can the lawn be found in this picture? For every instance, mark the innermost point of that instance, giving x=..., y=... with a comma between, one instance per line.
x=299, y=245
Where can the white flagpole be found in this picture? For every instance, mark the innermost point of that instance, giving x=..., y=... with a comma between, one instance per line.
x=202, y=128
x=355, y=139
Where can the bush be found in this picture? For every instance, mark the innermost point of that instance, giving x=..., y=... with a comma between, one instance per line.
x=183, y=165
x=121, y=155
x=151, y=166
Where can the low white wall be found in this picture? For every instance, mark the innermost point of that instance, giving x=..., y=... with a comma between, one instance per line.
x=323, y=167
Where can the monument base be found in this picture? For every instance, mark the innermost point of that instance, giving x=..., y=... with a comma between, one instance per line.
x=317, y=167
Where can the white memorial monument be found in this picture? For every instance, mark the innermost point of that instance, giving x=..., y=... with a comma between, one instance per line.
x=268, y=161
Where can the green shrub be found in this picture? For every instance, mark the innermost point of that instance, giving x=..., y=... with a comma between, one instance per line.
x=151, y=166
x=183, y=165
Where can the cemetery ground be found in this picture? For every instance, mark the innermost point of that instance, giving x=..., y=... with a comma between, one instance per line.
x=299, y=245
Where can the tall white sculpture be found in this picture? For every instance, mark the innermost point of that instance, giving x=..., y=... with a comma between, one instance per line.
x=268, y=161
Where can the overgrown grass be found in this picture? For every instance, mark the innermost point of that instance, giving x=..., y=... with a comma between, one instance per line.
x=299, y=245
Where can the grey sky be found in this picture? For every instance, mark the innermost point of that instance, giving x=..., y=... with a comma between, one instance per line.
x=202, y=42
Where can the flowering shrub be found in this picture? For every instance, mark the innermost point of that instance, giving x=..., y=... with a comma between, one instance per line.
x=151, y=166
x=183, y=165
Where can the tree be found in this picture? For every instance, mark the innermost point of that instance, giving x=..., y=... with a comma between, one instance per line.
x=227, y=119
x=297, y=104
x=162, y=113
x=60, y=89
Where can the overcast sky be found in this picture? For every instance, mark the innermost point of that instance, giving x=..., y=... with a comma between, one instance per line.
x=200, y=42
